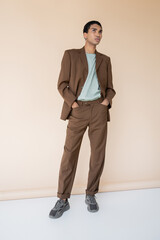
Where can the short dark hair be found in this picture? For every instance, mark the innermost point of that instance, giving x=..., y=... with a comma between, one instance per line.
x=88, y=24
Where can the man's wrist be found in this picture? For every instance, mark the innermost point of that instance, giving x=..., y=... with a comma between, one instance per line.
x=74, y=102
x=106, y=101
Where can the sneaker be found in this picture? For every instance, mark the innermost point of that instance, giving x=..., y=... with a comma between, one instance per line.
x=91, y=202
x=60, y=207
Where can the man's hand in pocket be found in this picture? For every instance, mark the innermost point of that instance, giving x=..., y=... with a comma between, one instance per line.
x=75, y=104
x=105, y=102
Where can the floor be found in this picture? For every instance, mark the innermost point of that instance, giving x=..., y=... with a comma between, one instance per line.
x=122, y=215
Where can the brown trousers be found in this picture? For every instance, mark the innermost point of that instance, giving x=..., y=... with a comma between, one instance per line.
x=94, y=115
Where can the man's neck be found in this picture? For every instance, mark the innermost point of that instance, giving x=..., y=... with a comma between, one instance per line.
x=89, y=48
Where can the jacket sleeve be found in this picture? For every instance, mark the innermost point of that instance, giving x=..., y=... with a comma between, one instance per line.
x=110, y=92
x=63, y=80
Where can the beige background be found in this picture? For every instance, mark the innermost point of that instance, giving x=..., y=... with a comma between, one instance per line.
x=34, y=35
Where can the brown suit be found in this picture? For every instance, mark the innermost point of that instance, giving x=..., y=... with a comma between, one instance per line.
x=89, y=114
x=73, y=73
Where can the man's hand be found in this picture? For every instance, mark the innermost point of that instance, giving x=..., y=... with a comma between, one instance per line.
x=75, y=104
x=105, y=102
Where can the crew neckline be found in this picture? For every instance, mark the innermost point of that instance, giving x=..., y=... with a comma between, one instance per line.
x=90, y=53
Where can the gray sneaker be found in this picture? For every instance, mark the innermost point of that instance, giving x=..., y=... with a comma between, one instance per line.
x=91, y=202
x=60, y=207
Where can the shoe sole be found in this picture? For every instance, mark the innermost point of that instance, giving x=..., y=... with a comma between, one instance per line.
x=89, y=208
x=61, y=213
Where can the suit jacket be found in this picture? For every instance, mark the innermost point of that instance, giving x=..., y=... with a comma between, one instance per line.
x=73, y=74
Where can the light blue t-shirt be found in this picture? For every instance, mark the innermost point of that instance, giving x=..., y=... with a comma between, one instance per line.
x=91, y=89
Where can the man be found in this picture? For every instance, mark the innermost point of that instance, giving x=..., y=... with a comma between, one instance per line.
x=85, y=83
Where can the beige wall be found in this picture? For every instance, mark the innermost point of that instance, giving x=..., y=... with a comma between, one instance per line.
x=34, y=35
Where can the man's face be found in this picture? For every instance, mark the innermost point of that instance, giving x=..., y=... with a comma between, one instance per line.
x=94, y=34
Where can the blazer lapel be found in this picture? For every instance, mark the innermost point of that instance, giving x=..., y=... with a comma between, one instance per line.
x=84, y=59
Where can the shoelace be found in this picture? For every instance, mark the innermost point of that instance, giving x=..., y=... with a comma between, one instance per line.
x=59, y=203
x=92, y=199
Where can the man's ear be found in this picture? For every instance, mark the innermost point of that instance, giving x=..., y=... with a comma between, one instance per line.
x=85, y=35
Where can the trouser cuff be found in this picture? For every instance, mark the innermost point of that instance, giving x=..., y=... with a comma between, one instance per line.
x=62, y=196
x=91, y=193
